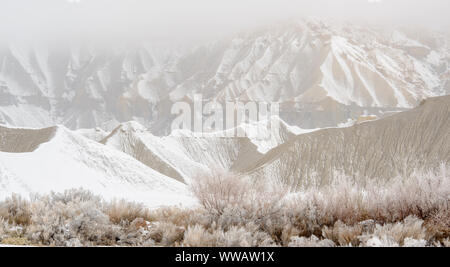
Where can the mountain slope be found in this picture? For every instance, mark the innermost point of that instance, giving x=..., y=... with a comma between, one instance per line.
x=184, y=154
x=381, y=149
x=68, y=160
x=159, y=153
x=323, y=72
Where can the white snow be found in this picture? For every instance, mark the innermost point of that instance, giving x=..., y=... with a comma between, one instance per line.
x=70, y=160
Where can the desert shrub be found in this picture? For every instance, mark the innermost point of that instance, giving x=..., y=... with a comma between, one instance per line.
x=198, y=236
x=237, y=211
x=422, y=194
x=410, y=242
x=166, y=233
x=15, y=241
x=179, y=216
x=121, y=210
x=438, y=225
x=248, y=236
x=73, y=195
x=71, y=219
x=346, y=212
x=136, y=234
x=446, y=242
x=8, y=231
x=4, y=227
x=342, y=234
x=16, y=210
x=376, y=241
x=235, y=199
x=395, y=234
x=312, y=241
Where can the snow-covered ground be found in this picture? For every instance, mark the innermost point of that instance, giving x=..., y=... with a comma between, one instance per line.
x=70, y=160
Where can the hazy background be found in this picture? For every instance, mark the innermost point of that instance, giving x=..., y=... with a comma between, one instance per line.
x=179, y=19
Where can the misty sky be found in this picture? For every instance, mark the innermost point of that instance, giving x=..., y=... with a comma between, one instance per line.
x=182, y=18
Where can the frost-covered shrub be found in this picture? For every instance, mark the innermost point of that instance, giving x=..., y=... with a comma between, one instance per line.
x=7, y=230
x=243, y=237
x=121, y=210
x=48, y=225
x=238, y=199
x=342, y=234
x=347, y=212
x=383, y=241
x=71, y=219
x=422, y=194
x=198, y=236
x=312, y=241
x=238, y=211
x=395, y=234
x=410, y=242
x=74, y=195
x=180, y=216
x=16, y=210
x=438, y=225
x=166, y=233
x=91, y=226
x=4, y=226
x=446, y=242
x=15, y=241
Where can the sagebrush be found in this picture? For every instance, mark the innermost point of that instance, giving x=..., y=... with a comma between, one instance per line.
x=235, y=210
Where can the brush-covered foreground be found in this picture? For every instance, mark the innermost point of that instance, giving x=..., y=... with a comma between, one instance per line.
x=237, y=211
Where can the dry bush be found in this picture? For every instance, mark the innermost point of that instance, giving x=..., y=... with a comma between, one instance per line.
x=15, y=241
x=197, y=236
x=446, y=242
x=342, y=234
x=16, y=210
x=249, y=236
x=4, y=228
x=422, y=194
x=73, y=195
x=166, y=233
x=238, y=211
x=376, y=241
x=395, y=234
x=136, y=234
x=410, y=242
x=346, y=212
x=312, y=241
x=237, y=199
x=8, y=230
x=124, y=211
x=57, y=222
x=179, y=216
x=438, y=225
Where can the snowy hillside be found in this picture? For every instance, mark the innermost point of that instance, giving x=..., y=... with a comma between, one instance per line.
x=132, y=163
x=184, y=154
x=68, y=160
x=380, y=150
x=128, y=162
